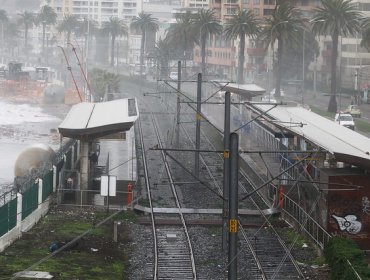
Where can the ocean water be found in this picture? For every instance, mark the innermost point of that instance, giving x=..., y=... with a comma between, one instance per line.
x=22, y=125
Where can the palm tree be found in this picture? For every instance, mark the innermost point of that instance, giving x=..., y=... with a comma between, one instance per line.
x=116, y=28
x=27, y=19
x=182, y=35
x=46, y=16
x=144, y=23
x=284, y=24
x=68, y=25
x=11, y=34
x=206, y=22
x=162, y=52
x=365, y=41
x=3, y=20
x=243, y=24
x=336, y=18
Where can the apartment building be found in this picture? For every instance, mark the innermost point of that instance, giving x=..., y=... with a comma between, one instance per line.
x=222, y=56
x=98, y=10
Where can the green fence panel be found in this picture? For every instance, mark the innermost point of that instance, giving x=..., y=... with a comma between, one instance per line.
x=3, y=219
x=12, y=213
x=47, y=185
x=30, y=200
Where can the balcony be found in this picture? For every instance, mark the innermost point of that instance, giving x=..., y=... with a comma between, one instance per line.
x=256, y=51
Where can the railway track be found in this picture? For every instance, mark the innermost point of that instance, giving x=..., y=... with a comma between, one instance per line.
x=262, y=255
x=265, y=252
x=173, y=254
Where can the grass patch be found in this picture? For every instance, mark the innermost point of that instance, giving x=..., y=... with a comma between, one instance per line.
x=106, y=261
x=144, y=202
x=320, y=261
x=322, y=112
x=291, y=236
x=129, y=216
x=360, y=124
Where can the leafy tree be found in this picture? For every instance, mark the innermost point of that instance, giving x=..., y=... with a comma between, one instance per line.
x=336, y=18
x=144, y=23
x=182, y=35
x=116, y=28
x=285, y=24
x=68, y=25
x=206, y=22
x=243, y=24
x=103, y=82
x=27, y=19
x=293, y=53
x=46, y=16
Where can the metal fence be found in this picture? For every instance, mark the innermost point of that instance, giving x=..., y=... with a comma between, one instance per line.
x=290, y=208
x=29, y=188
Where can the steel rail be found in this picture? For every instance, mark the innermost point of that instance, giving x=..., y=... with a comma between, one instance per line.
x=191, y=254
x=147, y=183
x=282, y=243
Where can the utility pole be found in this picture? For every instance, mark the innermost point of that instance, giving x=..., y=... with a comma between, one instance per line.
x=178, y=108
x=197, y=128
x=233, y=206
x=225, y=210
x=303, y=73
x=107, y=173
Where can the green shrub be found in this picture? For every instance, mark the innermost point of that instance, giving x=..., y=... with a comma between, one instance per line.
x=341, y=250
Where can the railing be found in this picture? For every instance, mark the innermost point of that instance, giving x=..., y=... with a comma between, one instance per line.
x=290, y=208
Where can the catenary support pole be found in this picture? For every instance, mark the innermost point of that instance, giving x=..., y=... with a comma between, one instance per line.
x=233, y=206
x=197, y=129
x=178, y=108
x=225, y=210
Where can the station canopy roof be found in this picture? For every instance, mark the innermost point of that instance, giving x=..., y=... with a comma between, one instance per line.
x=93, y=120
x=345, y=144
x=247, y=91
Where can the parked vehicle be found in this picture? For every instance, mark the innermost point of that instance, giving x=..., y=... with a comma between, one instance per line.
x=354, y=110
x=345, y=119
x=268, y=98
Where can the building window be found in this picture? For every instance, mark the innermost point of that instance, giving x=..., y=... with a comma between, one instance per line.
x=267, y=12
x=256, y=2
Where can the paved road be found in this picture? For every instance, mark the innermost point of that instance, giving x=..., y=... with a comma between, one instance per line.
x=321, y=101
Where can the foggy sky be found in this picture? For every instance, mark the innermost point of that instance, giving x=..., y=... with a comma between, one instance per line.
x=19, y=5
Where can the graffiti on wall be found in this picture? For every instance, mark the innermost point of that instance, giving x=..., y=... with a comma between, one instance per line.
x=348, y=223
x=366, y=205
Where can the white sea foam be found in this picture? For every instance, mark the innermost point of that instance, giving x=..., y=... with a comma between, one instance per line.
x=19, y=113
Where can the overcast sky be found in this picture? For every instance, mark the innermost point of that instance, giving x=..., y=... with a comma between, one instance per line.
x=19, y=5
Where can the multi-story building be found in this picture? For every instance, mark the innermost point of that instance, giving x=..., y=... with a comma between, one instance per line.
x=98, y=10
x=222, y=56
